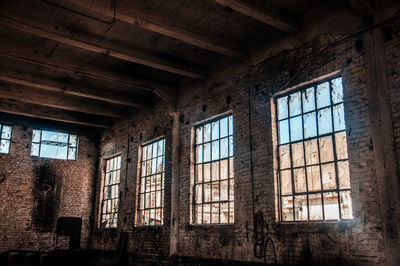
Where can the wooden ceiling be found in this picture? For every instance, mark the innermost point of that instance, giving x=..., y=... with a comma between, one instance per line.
x=91, y=62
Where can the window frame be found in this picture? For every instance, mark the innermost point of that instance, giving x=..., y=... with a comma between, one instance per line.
x=194, y=164
x=10, y=139
x=52, y=158
x=103, y=186
x=276, y=136
x=139, y=183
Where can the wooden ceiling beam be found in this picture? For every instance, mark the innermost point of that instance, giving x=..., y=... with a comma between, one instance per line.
x=58, y=100
x=129, y=13
x=37, y=111
x=268, y=17
x=93, y=44
x=70, y=89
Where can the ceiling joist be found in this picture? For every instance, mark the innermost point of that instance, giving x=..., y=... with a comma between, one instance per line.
x=60, y=34
x=268, y=17
x=37, y=111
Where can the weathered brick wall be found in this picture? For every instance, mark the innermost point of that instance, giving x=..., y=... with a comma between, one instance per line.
x=35, y=191
x=147, y=244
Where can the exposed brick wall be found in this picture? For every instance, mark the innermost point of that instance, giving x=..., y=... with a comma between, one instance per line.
x=36, y=191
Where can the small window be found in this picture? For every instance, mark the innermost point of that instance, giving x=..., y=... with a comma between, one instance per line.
x=213, y=191
x=151, y=185
x=54, y=145
x=5, y=138
x=109, y=213
x=313, y=167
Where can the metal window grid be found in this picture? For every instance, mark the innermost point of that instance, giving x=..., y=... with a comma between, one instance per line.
x=110, y=201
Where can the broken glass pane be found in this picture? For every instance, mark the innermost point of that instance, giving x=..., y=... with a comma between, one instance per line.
x=308, y=100
x=310, y=125
x=282, y=108
x=287, y=208
x=337, y=90
x=311, y=149
x=295, y=104
x=315, y=203
x=323, y=95
x=313, y=178
x=4, y=146
x=71, y=153
x=299, y=180
x=6, y=132
x=286, y=182
x=328, y=176
x=224, y=127
x=215, y=130
x=284, y=156
x=36, y=135
x=297, y=154
x=344, y=176
x=338, y=117
x=346, y=206
x=324, y=121
x=215, y=150
x=331, y=207
x=73, y=140
x=35, y=149
x=341, y=145
x=283, y=132
x=296, y=129
x=326, y=149
x=301, y=212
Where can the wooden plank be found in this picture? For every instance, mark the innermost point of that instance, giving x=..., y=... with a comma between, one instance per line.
x=132, y=14
x=70, y=89
x=268, y=17
x=101, y=46
x=58, y=100
x=37, y=111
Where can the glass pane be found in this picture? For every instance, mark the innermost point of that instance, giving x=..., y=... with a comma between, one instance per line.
x=198, y=213
x=6, y=132
x=224, y=169
x=308, y=100
x=338, y=117
x=144, y=153
x=310, y=125
x=313, y=178
x=230, y=146
x=52, y=151
x=215, y=171
x=231, y=212
x=315, y=203
x=158, y=197
x=301, y=212
x=35, y=149
x=296, y=129
x=207, y=172
x=231, y=190
x=153, y=166
x=324, y=121
x=326, y=149
x=323, y=95
x=341, y=145
x=299, y=180
x=282, y=108
x=331, y=207
x=159, y=164
x=142, y=185
x=154, y=153
x=4, y=146
x=215, y=150
x=344, y=176
x=206, y=213
x=295, y=104
x=160, y=149
x=224, y=213
x=54, y=136
x=207, y=152
x=297, y=154
x=286, y=182
x=215, y=130
x=224, y=148
x=346, y=205
x=215, y=213
x=199, y=173
x=328, y=176
x=199, y=154
x=311, y=149
x=73, y=140
x=231, y=169
x=207, y=132
x=207, y=192
x=224, y=190
x=199, y=135
x=230, y=122
x=284, y=156
x=148, y=167
x=224, y=127
x=215, y=191
x=199, y=194
x=337, y=90
x=36, y=135
x=283, y=132
x=71, y=153
x=287, y=208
